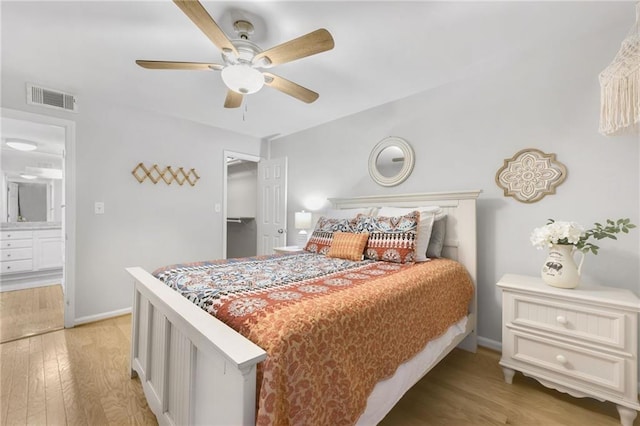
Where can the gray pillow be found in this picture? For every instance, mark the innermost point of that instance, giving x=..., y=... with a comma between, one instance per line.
x=437, y=237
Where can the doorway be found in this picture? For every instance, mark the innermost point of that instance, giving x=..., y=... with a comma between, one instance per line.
x=240, y=205
x=38, y=227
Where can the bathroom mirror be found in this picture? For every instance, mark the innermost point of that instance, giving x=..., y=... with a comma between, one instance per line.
x=391, y=161
x=28, y=201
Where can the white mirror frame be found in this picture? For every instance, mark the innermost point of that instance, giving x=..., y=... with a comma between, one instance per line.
x=407, y=168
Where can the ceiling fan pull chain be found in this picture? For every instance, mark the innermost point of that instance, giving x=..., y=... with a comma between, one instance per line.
x=246, y=101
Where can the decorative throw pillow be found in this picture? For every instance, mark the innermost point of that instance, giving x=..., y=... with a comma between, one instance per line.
x=391, y=238
x=347, y=245
x=428, y=215
x=322, y=235
x=436, y=242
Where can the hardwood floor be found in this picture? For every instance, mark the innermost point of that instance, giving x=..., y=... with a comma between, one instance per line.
x=80, y=376
x=31, y=311
x=469, y=389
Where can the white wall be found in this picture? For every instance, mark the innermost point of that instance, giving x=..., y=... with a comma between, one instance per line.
x=461, y=133
x=144, y=224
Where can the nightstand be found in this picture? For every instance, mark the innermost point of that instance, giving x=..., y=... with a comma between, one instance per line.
x=582, y=341
x=288, y=249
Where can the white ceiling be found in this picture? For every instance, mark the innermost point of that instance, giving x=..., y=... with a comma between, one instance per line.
x=384, y=50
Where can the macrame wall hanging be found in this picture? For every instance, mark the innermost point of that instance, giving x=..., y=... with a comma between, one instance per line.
x=620, y=87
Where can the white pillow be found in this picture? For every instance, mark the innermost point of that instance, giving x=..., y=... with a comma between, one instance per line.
x=348, y=213
x=428, y=215
x=399, y=211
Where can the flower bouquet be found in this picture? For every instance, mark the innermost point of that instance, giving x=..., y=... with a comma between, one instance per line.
x=571, y=233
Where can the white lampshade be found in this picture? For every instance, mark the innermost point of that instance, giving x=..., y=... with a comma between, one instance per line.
x=302, y=220
x=21, y=144
x=242, y=79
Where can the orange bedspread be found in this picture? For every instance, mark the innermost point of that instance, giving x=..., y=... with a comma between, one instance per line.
x=327, y=352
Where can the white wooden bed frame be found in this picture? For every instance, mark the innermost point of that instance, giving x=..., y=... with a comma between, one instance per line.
x=194, y=369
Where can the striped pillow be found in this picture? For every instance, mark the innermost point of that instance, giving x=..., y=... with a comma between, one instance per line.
x=347, y=245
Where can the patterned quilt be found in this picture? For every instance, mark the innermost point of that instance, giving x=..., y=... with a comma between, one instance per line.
x=332, y=328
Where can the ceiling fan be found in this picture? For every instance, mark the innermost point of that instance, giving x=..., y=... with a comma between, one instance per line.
x=243, y=59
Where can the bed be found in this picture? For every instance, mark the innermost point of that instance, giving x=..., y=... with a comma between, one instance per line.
x=195, y=369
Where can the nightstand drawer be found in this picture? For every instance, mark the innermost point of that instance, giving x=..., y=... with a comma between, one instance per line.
x=576, y=364
x=16, y=254
x=16, y=266
x=588, y=324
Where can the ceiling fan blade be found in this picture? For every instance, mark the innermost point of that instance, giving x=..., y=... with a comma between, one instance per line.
x=290, y=88
x=315, y=42
x=198, y=14
x=233, y=100
x=170, y=65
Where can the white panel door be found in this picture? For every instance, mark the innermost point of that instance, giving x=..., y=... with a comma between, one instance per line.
x=272, y=204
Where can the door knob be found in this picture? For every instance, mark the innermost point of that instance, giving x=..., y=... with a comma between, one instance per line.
x=280, y=231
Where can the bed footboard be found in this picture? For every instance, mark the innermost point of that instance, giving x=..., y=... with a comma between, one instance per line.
x=171, y=340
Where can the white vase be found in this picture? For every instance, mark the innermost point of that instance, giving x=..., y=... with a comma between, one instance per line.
x=560, y=269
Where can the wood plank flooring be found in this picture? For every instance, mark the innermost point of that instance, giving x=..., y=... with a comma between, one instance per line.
x=31, y=311
x=80, y=376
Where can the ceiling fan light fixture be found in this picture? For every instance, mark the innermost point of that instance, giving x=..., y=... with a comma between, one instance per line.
x=242, y=79
x=21, y=144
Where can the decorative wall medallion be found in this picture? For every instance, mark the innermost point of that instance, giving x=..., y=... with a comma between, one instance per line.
x=530, y=175
x=168, y=174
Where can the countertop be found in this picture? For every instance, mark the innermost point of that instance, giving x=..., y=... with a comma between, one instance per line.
x=16, y=226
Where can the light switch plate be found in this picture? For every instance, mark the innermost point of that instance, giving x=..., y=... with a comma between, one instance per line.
x=98, y=207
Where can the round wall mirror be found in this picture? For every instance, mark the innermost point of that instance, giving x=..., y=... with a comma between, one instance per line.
x=391, y=161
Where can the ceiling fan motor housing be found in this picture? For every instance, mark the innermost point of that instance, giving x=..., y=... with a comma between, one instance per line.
x=246, y=51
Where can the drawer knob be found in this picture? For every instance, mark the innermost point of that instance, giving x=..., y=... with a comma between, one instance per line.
x=561, y=359
x=561, y=320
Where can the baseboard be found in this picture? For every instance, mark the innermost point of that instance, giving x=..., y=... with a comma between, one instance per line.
x=102, y=316
x=29, y=283
x=489, y=343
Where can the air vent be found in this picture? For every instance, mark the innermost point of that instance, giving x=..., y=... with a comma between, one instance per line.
x=51, y=98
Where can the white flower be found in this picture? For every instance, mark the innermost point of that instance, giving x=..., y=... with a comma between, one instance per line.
x=557, y=233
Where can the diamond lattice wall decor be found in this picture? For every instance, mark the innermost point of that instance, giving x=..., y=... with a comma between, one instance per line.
x=168, y=174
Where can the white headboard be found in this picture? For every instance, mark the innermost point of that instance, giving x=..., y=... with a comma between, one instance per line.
x=460, y=207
